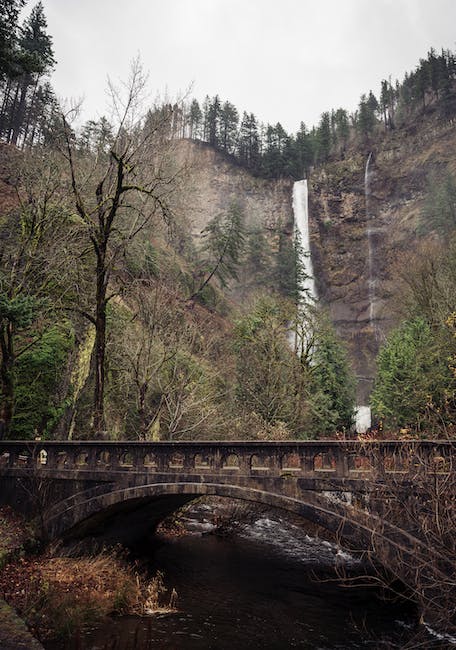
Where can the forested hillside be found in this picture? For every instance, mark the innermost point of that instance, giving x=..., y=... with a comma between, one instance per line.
x=150, y=283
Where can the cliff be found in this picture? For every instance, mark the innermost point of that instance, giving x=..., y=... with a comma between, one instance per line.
x=364, y=217
x=365, y=214
x=216, y=181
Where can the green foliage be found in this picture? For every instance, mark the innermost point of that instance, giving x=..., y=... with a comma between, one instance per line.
x=265, y=363
x=10, y=56
x=311, y=388
x=289, y=272
x=18, y=311
x=39, y=404
x=414, y=385
x=440, y=210
x=223, y=247
x=258, y=257
x=332, y=378
x=269, y=151
x=324, y=139
x=26, y=55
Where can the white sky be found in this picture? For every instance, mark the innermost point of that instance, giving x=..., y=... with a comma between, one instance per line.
x=284, y=60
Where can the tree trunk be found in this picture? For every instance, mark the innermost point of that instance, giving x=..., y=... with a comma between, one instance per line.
x=29, y=114
x=12, y=113
x=100, y=345
x=4, y=109
x=18, y=118
x=7, y=380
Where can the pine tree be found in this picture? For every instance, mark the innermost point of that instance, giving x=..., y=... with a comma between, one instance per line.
x=195, y=120
x=229, y=119
x=213, y=122
x=248, y=142
x=223, y=246
x=413, y=378
x=304, y=152
x=10, y=54
x=37, y=59
x=324, y=137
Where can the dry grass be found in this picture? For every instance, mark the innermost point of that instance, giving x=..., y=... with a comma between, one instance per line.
x=59, y=596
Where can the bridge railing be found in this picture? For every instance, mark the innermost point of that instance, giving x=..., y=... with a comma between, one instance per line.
x=341, y=459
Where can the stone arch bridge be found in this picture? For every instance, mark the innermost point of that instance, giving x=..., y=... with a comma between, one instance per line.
x=83, y=488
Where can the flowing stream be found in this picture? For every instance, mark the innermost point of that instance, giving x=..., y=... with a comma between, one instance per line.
x=270, y=585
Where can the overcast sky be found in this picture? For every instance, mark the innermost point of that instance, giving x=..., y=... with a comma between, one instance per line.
x=284, y=60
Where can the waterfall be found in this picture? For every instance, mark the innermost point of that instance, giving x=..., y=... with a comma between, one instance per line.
x=363, y=418
x=371, y=282
x=367, y=184
x=309, y=292
x=301, y=220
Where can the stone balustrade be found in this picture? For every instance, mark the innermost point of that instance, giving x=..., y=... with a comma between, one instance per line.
x=336, y=459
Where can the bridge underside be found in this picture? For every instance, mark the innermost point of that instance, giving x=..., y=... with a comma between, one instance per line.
x=125, y=513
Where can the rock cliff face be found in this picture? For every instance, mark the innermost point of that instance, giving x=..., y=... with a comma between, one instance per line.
x=216, y=182
x=356, y=239
x=363, y=224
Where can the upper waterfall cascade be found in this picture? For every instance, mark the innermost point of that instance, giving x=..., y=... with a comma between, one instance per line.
x=372, y=235
x=301, y=219
x=363, y=417
x=309, y=291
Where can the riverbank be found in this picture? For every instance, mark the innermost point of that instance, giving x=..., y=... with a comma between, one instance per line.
x=15, y=536
x=48, y=597
x=14, y=633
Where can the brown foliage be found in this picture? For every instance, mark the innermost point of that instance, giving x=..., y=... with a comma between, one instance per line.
x=57, y=596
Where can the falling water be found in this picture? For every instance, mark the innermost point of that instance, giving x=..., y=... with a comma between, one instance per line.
x=363, y=418
x=309, y=292
x=371, y=248
x=371, y=282
x=301, y=219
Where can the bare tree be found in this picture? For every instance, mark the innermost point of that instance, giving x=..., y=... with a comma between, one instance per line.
x=116, y=197
x=412, y=500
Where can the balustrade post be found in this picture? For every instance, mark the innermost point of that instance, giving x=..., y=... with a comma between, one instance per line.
x=341, y=459
x=307, y=462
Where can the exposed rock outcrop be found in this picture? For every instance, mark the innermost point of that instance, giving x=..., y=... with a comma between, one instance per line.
x=343, y=220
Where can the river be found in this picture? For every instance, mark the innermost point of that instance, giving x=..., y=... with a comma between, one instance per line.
x=268, y=585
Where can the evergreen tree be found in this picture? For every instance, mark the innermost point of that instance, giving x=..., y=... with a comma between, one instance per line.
x=304, y=152
x=440, y=208
x=23, y=104
x=413, y=379
x=11, y=57
x=274, y=160
x=248, y=142
x=332, y=377
x=36, y=43
x=223, y=246
x=366, y=115
x=258, y=257
x=229, y=120
x=213, y=122
x=342, y=127
x=324, y=137
x=290, y=273
x=195, y=120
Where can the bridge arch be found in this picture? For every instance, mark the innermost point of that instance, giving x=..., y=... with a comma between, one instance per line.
x=77, y=512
